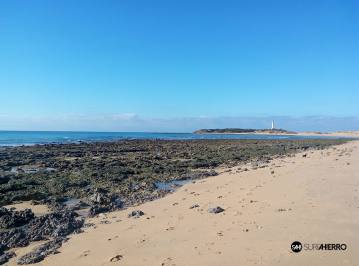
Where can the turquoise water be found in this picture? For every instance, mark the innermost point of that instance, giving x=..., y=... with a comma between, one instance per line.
x=15, y=138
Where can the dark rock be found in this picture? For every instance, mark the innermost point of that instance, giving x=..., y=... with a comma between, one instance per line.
x=216, y=210
x=194, y=206
x=198, y=174
x=54, y=225
x=105, y=203
x=10, y=218
x=136, y=214
x=73, y=204
x=6, y=256
x=14, y=238
x=116, y=203
x=2, y=248
x=94, y=210
x=39, y=253
x=87, y=225
x=4, y=179
x=100, y=196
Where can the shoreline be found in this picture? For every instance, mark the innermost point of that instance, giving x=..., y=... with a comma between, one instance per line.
x=170, y=217
x=339, y=134
x=50, y=138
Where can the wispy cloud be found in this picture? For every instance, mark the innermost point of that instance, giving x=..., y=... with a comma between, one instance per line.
x=134, y=122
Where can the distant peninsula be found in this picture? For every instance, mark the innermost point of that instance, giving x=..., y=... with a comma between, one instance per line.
x=243, y=131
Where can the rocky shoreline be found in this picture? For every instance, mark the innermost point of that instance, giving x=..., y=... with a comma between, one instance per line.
x=85, y=179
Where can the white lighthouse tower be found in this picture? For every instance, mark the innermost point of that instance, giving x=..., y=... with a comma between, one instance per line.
x=272, y=125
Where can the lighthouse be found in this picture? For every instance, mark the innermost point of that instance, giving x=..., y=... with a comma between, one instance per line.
x=272, y=125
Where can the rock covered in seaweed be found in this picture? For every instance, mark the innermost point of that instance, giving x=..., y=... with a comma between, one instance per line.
x=50, y=226
x=40, y=252
x=6, y=256
x=10, y=218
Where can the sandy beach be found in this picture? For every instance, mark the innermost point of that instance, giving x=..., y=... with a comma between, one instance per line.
x=346, y=134
x=179, y=133
x=311, y=199
x=336, y=134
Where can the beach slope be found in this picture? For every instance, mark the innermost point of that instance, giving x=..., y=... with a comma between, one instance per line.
x=311, y=198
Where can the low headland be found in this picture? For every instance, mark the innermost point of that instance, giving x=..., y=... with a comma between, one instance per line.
x=273, y=131
x=278, y=131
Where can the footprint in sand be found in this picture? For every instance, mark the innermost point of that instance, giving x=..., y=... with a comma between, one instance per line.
x=168, y=261
x=85, y=253
x=116, y=258
x=141, y=241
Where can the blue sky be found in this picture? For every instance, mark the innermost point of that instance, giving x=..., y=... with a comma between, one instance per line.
x=106, y=65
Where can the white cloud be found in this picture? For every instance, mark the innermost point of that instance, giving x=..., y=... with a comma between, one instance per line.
x=126, y=117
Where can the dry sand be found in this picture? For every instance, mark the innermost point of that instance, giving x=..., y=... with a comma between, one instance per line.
x=313, y=199
x=347, y=134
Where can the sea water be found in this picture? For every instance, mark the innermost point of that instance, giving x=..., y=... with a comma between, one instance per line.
x=16, y=138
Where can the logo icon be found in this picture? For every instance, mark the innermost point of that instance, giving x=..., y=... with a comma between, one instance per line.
x=296, y=246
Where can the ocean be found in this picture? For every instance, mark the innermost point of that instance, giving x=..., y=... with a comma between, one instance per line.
x=16, y=138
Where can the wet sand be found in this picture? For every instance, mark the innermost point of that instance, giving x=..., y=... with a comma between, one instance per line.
x=38, y=209
x=312, y=199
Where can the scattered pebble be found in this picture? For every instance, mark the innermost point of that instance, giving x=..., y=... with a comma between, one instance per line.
x=216, y=210
x=136, y=214
x=284, y=210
